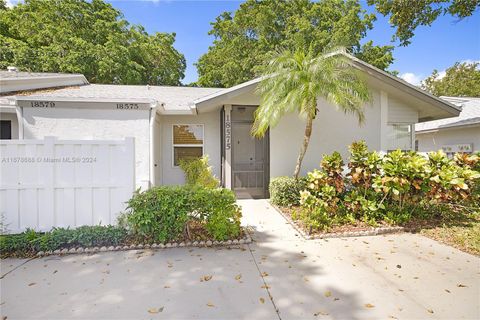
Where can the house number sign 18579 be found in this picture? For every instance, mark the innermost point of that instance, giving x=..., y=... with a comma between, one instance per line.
x=42, y=104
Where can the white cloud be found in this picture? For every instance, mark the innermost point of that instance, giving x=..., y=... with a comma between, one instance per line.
x=412, y=78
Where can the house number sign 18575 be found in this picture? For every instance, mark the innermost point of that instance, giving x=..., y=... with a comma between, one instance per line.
x=228, y=132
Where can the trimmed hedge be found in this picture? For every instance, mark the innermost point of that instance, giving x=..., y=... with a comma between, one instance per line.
x=285, y=191
x=30, y=241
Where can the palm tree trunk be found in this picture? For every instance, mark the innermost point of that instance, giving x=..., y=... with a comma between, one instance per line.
x=306, y=140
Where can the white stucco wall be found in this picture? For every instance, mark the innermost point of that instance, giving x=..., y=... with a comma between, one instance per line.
x=332, y=131
x=85, y=124
x=174, y=175
x=14, y=122
x=434, y=141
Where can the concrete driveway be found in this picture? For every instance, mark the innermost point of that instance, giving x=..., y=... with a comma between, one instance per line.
x=280, y=276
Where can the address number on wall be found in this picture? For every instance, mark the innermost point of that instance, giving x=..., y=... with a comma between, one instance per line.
x=127, y=106
x=42, y=104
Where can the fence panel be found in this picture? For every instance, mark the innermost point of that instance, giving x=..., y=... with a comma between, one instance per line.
x=64, y=183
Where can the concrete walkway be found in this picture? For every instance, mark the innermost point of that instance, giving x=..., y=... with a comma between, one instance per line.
x=281, y=276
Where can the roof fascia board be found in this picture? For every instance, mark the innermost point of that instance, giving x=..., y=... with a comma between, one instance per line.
x=410, y=88
x=458, y=126
x=22, y=84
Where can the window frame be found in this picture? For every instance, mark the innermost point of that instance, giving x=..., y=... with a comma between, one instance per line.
x=186, y=145
x=412, y=135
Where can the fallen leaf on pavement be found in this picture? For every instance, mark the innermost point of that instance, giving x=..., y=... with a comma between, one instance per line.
x=328, y=294
x=155, y=310
x=264, y=274
x=430, y=311
x=323, y=313
x=336, y=299
x=369, y=305
x=210, y=305
x=32, y=284
x=447, y=290
x=238, y=277
x=262, y=300
x=399, y=266
x=265, y=287
x=205, y=278
x=461, y=285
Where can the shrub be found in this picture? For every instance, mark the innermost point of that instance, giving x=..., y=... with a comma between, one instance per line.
x=285, y=191
x=392, y=188
x=198, y=172
x=162, y=213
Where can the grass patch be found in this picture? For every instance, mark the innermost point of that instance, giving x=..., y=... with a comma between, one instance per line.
x=461, y=232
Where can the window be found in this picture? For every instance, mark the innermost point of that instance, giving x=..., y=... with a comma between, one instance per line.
x=187, y=142
x=399, y=136
x=5, y=129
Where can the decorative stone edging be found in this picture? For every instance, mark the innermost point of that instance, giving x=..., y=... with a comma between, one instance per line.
x=209, y=243
x=371, y=232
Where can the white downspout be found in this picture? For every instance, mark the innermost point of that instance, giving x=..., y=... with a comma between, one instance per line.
x=153, y=114
x=19, y=111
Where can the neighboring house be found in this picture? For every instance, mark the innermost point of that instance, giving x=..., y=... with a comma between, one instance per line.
x=15, y=82
x=459, y=134
x=174, y=123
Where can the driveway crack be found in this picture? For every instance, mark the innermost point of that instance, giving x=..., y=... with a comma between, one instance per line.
x=10, y=271
x=267, y=288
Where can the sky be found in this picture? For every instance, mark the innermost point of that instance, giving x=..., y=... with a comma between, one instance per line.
x=436, y=47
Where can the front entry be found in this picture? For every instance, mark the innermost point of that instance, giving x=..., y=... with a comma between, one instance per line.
x=250, y=162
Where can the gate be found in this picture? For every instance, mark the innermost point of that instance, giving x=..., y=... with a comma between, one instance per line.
x=64, y=183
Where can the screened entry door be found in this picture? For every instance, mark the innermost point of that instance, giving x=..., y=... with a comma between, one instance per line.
x=249, y=162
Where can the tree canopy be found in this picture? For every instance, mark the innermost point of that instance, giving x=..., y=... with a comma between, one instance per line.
x=89, y=37
x=460, y=80
x=407, y=15
x=246, y=40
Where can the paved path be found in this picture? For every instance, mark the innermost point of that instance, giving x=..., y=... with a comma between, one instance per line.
x=398, y=276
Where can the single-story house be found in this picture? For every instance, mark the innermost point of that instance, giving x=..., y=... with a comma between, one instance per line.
x=458, y=134
x=173, y=123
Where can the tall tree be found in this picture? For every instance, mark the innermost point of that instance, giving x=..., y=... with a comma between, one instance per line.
x=89, y=37
x=407, y=15
x=460, y=80
x=246, y=40
x=294, y=81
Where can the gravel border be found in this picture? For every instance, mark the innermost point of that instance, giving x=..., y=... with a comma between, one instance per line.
x=200, y=244
x=346, y=234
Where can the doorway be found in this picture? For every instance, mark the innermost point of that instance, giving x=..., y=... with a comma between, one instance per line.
x=250, y=156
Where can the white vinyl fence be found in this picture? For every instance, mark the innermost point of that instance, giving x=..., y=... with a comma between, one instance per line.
x=64, y=183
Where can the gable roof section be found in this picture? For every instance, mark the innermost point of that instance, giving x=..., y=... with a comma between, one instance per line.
x=448, y=108
x=470, y=115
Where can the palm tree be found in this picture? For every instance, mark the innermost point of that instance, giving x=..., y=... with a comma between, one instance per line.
x=293, y=81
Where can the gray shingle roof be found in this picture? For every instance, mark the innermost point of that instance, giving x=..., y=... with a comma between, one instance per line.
x=174, y=98
x=469, y=115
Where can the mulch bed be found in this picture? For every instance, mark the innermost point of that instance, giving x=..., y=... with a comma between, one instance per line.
x=348, y=230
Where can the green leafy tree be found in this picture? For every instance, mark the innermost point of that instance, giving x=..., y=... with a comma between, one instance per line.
x=246, y=40
x=89, y=37
x=407, y=15
x=461, y=80
x=295, y=80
